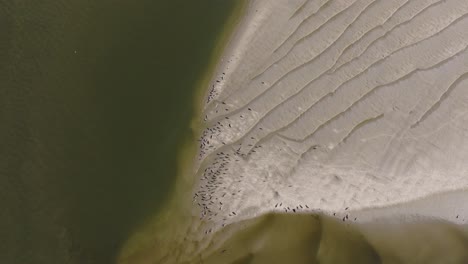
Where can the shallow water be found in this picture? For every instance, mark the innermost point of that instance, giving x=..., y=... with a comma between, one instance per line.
x=308, y=238
x=96, y=99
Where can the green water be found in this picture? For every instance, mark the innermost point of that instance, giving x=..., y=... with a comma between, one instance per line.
x=95, y=102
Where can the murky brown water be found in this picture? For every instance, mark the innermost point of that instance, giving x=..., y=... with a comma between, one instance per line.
x=96, y=98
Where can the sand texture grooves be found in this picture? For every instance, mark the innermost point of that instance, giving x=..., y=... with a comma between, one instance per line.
x=337, y=104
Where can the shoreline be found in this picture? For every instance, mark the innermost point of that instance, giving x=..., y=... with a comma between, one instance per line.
x=139, y=246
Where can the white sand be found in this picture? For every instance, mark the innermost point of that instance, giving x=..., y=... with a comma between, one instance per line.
x=327, y=105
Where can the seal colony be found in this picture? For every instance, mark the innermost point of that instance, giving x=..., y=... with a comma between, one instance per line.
x=332, y=128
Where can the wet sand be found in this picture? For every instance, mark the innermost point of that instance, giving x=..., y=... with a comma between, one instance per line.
x=305, y=238
x=335, y=105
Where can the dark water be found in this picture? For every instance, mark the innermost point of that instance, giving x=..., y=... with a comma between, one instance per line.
x=95, y=100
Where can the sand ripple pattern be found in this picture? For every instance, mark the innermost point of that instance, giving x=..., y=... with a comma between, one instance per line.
x=329, y=105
